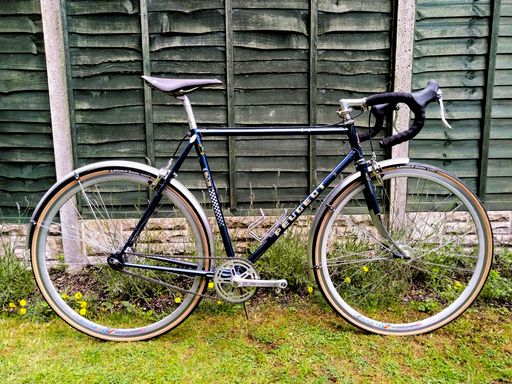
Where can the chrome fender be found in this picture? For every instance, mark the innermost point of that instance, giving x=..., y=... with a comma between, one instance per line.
x=119, y=164
x=313, y=232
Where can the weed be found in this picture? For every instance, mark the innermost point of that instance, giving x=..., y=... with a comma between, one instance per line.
x=498, y=287
x=287, y=259
x=16, y=280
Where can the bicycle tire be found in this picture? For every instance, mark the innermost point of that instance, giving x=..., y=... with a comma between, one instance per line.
x=106, y=200
x=441, y=227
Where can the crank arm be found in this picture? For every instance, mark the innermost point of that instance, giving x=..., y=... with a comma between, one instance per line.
x=240, y=282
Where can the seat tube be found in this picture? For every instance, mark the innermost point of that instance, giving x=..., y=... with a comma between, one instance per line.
x=214, y=197
x=205, y=168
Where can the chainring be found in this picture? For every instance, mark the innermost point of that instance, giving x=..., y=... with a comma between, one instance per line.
x=223, y=280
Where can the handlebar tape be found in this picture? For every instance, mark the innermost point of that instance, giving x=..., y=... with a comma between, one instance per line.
x=384, y=102
x=379, y=112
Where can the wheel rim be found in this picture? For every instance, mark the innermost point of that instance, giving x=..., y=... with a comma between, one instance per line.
x=118, y=306
x=428, y=304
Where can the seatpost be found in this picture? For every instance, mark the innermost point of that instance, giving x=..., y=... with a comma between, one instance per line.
x=188, y=109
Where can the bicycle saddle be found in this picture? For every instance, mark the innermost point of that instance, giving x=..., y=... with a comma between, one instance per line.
x=179, y=86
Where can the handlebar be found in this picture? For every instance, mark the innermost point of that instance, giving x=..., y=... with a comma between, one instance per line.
x=384, y=103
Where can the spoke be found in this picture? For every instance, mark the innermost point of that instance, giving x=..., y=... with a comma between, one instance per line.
x=431, y=272
x=89, y=203
x=92, y=244
x=159, y=282
x=458, y=254
x=368, y=234
x=449, y=267
x=368, y=260
x=374, y=286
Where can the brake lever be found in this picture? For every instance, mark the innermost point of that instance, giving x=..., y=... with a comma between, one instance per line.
x=441, y=107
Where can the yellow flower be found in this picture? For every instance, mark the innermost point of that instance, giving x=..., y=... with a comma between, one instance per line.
x=219, y=302
x=64, y=296
x=348, y=280
x=458, y=285
x=78, y=295
x=310, y=290
x=211, y=285
x=83, y=304
x=23, y=303
x=23, y=311
x=177, y=300
x=82, y=311
x=365, y=269
x=12, y=305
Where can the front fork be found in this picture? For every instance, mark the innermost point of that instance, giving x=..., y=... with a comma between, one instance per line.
x=370, y=197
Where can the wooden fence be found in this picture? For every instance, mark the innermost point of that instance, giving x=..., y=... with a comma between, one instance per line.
x=467, y=47
x=282, y=62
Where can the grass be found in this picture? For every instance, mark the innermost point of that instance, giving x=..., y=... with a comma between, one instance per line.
x=302, y=342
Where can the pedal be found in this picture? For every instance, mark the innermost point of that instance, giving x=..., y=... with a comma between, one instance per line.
x=240, y=282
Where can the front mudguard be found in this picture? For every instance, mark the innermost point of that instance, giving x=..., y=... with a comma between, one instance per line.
x=327, y=204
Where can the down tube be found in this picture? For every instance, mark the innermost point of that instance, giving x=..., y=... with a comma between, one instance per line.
x=302, y=207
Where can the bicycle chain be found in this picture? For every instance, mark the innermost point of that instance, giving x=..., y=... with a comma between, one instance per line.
x=171, y=286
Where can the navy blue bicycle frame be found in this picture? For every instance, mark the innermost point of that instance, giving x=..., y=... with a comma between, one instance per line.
x=355, y=155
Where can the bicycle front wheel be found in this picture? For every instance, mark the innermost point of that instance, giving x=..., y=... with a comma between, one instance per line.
x=425, y=274
x=87, y=219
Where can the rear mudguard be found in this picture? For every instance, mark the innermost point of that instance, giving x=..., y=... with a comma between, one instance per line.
x=118, y=164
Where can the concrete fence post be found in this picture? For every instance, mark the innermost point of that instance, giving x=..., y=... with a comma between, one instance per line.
x=51, y=13
x=404, y=54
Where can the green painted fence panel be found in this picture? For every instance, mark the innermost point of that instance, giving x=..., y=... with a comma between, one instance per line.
x=451, y=46
x=499, y=176
x=282, y=63
x=26, y=149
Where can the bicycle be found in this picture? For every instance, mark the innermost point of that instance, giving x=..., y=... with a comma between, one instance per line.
x=123, y=251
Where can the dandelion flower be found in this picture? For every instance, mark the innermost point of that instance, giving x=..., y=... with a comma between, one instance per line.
x=78, y=295
x=23, y=311
x=310, y=290
x=82, y=311
x=348, y=280
x=365, y=269
x=177, y=300
x=83, y=304
x=12, y=305
x=211, y=285
x=23, y=303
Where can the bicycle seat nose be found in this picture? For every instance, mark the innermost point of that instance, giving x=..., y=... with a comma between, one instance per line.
x=179, y=86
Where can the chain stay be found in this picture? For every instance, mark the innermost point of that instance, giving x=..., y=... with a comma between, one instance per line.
x=179, y=289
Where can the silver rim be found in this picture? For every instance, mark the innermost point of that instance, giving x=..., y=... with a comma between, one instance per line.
x=106, y=205
x=357, y=271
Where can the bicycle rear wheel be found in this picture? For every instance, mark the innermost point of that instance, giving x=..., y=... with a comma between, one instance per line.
x=445, y=240
x=88, y=218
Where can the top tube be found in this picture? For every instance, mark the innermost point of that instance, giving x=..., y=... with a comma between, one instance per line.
x=271, y=131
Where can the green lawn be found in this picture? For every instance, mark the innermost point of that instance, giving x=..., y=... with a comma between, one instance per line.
x=302, y=342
